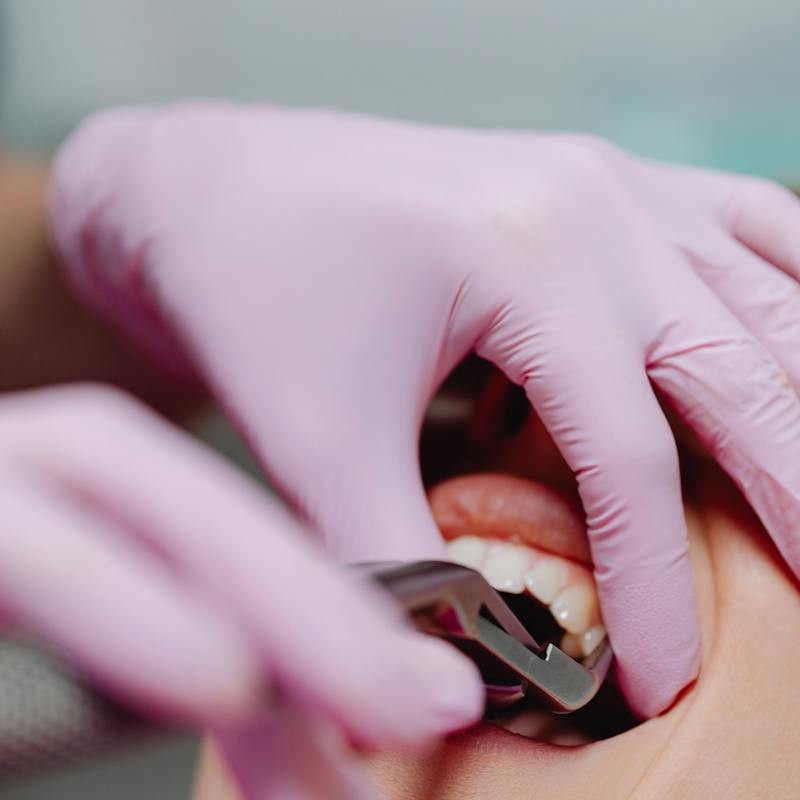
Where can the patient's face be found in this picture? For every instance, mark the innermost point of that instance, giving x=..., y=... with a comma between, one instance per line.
x=733, y=734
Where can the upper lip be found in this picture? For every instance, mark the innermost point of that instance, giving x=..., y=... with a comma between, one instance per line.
x=506, y=507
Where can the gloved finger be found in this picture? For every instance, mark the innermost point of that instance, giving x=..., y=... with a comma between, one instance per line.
x=337, y=432
x=766, y=217
x=765, y=299
x=290, y=753
x=67, y=574
x=612, y=433
x=734, y=395
x=334, y=640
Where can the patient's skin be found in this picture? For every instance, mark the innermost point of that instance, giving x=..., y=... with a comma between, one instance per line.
x=46, y=336
x=735, y=734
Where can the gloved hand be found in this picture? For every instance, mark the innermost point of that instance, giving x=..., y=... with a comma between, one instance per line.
x=178, y=584
x=323, y=272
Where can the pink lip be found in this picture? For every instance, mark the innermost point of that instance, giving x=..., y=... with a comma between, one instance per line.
x=506, y=507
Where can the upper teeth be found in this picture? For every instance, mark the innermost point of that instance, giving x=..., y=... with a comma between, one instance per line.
x=505, y=567
x=574, y=607
x=547, y=578
x=468, y=550
x=567, y=587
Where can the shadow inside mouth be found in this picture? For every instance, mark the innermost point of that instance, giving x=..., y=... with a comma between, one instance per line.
x=606, y=715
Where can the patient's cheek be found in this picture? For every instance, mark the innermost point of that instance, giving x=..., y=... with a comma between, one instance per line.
x=703, y=573
x=757, y=601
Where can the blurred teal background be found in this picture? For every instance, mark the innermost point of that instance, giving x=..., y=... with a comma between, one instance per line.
x=709, y=82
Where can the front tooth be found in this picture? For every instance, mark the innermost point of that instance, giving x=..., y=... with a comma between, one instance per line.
x=546, y=579
x=505, y=568
x=592, y=638
x=468, y=550
x=575, y=607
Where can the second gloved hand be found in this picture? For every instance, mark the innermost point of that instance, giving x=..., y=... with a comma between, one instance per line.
x=177, y=583
x=323, y=273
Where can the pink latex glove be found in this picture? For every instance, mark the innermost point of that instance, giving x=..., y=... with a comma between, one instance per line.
x=323, y=272
x=179, y=584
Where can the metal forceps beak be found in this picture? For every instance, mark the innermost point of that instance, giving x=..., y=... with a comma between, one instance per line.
x=457, y=604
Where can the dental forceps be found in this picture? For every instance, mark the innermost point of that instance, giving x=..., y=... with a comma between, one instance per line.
x=456, y=603
x=48, y=714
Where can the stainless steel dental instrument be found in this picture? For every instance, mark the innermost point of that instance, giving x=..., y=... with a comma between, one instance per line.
x=458, y=604
x=48, y=714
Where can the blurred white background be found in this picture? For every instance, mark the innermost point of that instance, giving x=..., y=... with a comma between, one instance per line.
x=710, y=82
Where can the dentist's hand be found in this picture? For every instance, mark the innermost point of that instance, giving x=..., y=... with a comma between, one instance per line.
x=323, y=272
x=176, y=582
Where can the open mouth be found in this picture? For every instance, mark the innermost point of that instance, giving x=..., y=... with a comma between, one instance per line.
x=521, y=526
x=527, y=541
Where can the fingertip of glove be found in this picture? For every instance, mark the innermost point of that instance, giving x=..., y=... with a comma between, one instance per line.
x=653, y=673
x=650, y=695
x=421, y=689
x=654, y=631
